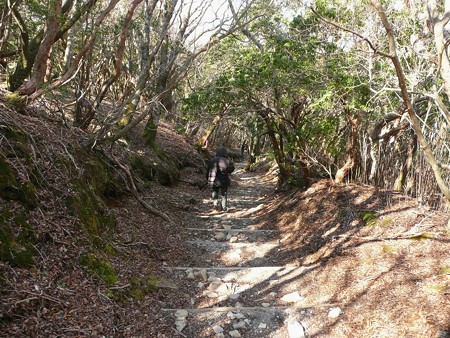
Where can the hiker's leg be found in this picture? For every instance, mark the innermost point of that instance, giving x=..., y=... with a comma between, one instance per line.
x=215, y=196
x=224, y=202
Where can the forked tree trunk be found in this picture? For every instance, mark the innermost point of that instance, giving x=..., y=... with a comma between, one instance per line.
x=43, y=54
x=355, y=122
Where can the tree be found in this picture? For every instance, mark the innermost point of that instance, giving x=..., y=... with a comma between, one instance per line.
x=34, y=49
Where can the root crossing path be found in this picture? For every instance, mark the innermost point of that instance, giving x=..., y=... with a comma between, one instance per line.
x=237, y=288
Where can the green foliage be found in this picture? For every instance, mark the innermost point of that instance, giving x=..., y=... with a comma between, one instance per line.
x=99, y=266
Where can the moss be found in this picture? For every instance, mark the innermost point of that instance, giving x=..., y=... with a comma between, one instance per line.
x=126, y=120
x=167, y=171
x=99, y=177
x=444, y=271
x=86, y=202
x=11, y=189
x=91, y=212
x=15, y=100
x=99, y=266
x=386, y=222
x=145, y=167
x=139, y=287
x=162, y=168
x=17, y=240
x=368, y=218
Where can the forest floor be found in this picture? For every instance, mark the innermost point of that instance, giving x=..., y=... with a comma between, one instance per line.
x=356, y=261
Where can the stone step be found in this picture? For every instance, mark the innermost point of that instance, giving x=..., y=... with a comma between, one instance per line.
x=224, y=233
x=236, y=254
x=264, y=322
x=257, y=286
x=278, y=274
x=245, y=223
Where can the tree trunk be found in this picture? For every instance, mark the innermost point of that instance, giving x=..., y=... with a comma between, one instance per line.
x=68, y=53
x=277, y=149
x=202, y=142
x=43, y=54
x=86, y=49
x=118, y=63
x=354, y=122
x=410, y=109
x=31, y=46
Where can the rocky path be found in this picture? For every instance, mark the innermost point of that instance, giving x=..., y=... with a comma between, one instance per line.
x=238, y=289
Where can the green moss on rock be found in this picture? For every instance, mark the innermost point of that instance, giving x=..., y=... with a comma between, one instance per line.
x=15, y=100
x=17, y=240
x=144, y=166
x=91, y=212
x=161, y=167
x=138, y=289
x=99, y=266
x=11, y=189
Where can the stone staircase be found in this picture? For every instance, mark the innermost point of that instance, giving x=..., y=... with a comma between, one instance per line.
x=238, y=290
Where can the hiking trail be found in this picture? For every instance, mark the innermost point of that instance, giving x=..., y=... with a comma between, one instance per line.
x=239, y=289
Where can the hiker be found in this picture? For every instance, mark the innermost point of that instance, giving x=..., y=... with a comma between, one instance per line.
x=217, y=175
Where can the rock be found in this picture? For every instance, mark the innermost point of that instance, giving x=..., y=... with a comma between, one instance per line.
x=214, y=279
x=272, y=294
x=295, y=329
x=234, y=334
x=181, y=314
x=226, y=227
x=229, y=236
x=200, y=285
x=180, y=324
x=239, y=325
x=238, y=304
x=220, y=236
x=443, y=333
x=219, y=335
x=262, y=326
x=233, y=239
x=210, y=294
x=265, y=304
x=235, y=255
x=230, y=315
x=239, y=316
x=218, y=286
x=217, y=329
x=204, y=274
x=291, y=297
x=334, y=312
x=191, y=275
x=233, y=296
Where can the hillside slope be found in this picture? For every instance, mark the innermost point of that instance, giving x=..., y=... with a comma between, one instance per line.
x=81, y=256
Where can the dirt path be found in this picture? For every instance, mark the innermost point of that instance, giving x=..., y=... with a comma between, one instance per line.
x=237, y=288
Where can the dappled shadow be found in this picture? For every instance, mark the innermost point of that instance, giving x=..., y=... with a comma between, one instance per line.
x=340, y=246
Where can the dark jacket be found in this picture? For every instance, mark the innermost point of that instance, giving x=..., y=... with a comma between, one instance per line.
x=218, y=169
